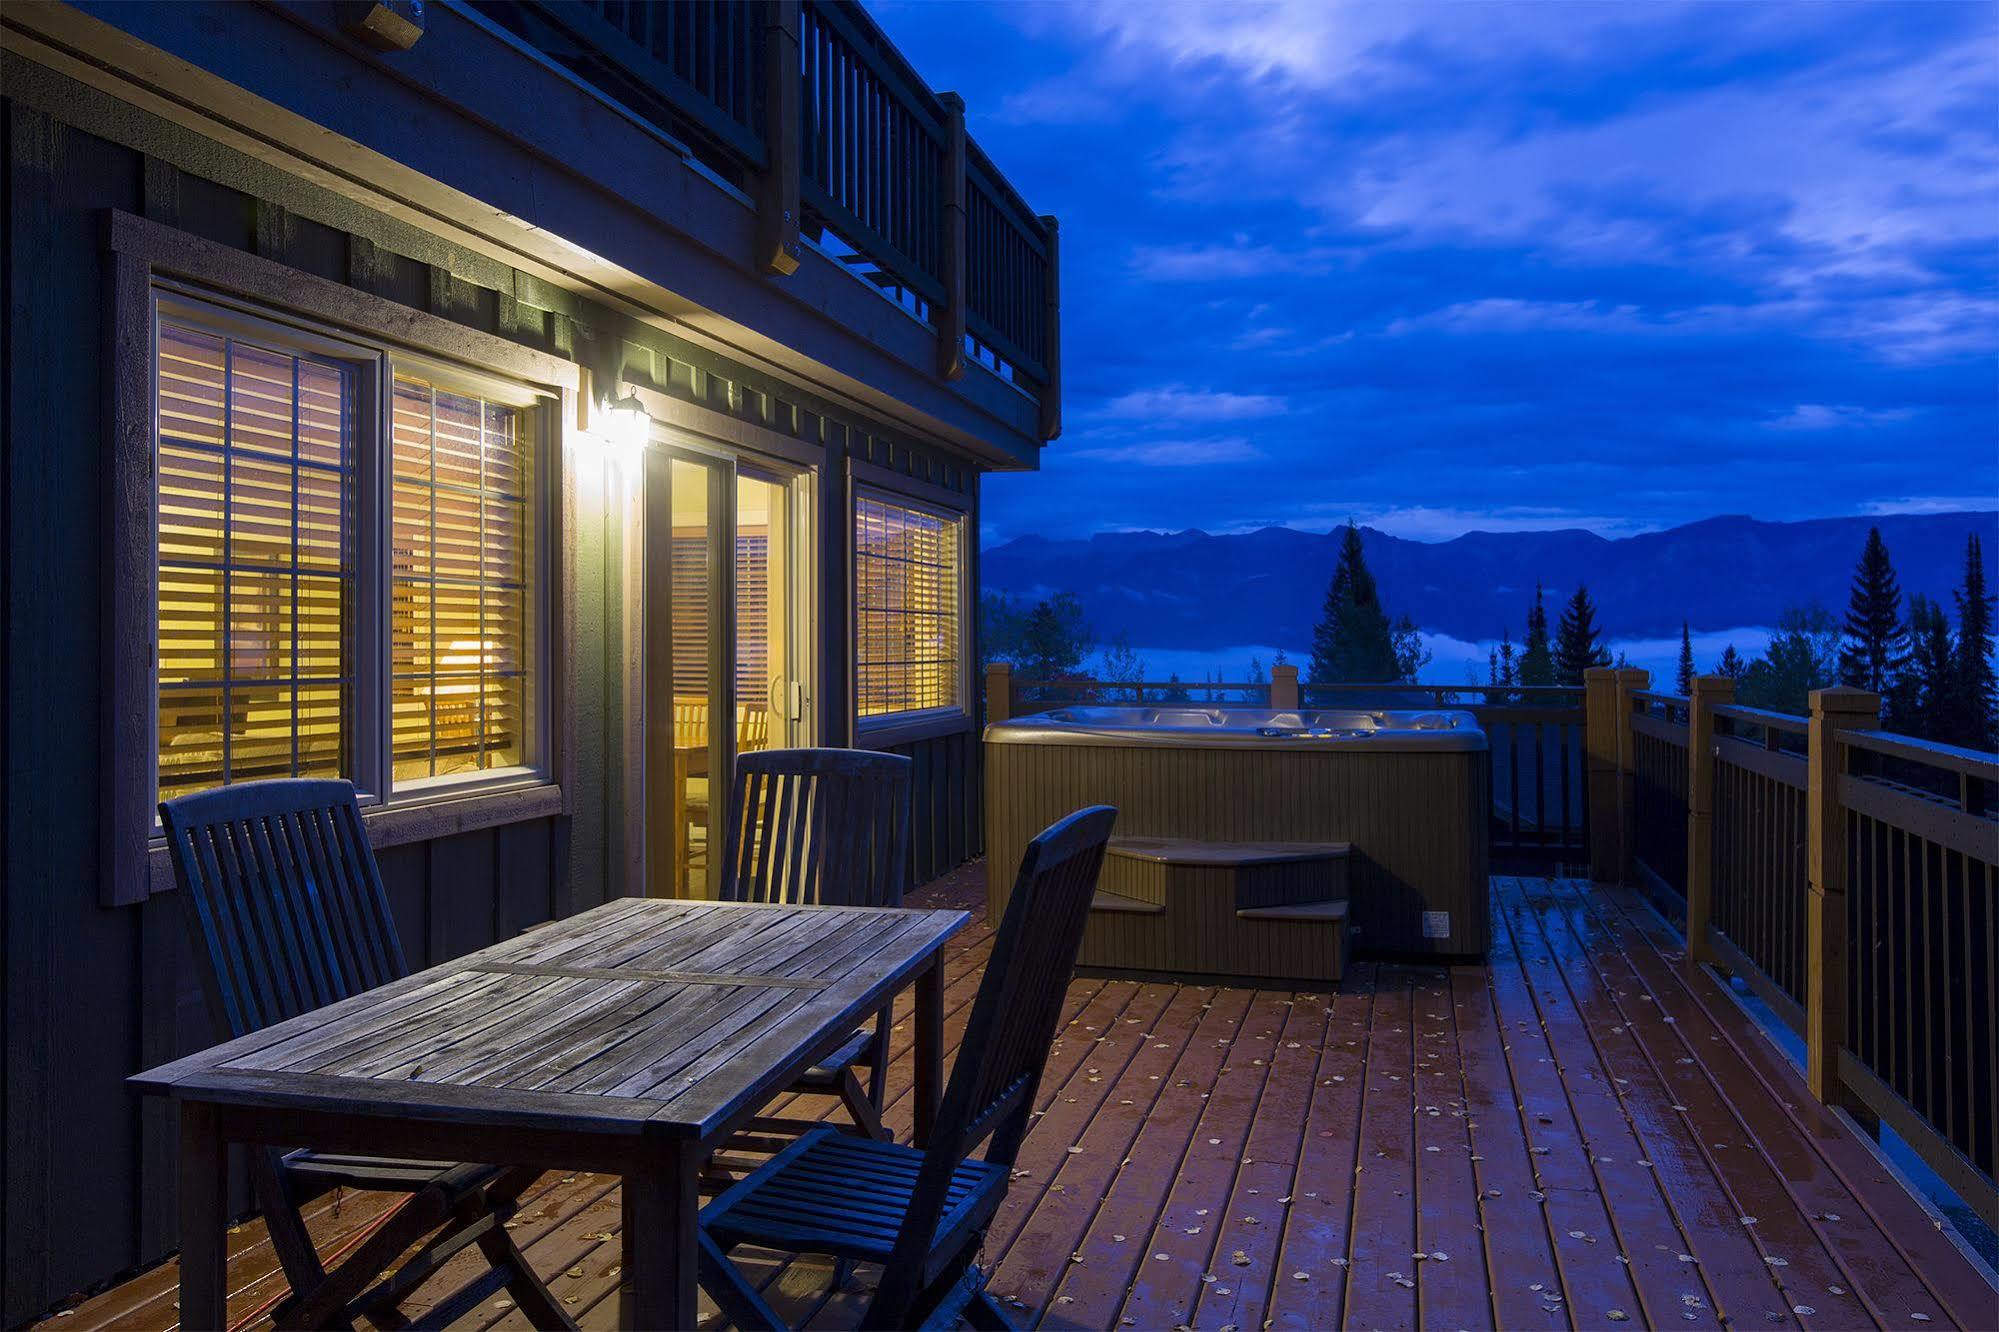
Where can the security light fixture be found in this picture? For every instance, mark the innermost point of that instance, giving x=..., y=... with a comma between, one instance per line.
x=627, y=425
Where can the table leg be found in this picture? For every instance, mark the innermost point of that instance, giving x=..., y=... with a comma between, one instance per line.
x=204, y=1220
x=929, y=1051
x=661, y=1287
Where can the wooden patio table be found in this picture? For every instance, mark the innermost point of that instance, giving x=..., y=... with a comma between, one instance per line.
x=631, y=1040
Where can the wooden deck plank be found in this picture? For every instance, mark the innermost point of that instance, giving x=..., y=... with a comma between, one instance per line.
x=1381, y=1264
x=1320, y=1217
x=1726, y=1277
x=1118, y=1242
x=1453, y=1282
x=1168, y=1288
x=1596, y=1286
x=1826, y=1170
x=1561, y=1043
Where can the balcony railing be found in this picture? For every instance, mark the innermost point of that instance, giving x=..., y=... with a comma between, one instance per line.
x=808, y=107
x=1847, y=875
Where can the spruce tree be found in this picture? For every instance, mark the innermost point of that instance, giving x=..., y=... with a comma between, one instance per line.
x=1353, y=642
x=1929, y=688
x=1873, y=652
x=1537, y=662
x=1731, y=664
x=1684, y=677
x=1975, y=690
x=1578, y=642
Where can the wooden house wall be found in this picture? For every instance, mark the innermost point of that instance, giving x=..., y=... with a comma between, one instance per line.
x=92, y=994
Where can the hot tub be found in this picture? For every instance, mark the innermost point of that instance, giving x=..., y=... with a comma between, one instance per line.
x=1407, y=790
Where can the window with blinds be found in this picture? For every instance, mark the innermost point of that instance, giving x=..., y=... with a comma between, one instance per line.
x=254, y=467
x=460, y=539
x=908, y=603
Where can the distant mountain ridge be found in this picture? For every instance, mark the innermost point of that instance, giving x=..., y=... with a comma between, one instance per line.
x=1197, y=591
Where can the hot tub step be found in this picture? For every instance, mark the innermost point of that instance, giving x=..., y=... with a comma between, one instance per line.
x=1320, y=911
x=1106, y=900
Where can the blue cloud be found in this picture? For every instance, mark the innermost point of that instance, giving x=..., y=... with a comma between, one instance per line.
x=1505, y=264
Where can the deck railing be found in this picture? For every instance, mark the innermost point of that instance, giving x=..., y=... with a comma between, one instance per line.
x=807, y=106
x=1847, y=875
x=1535, y=733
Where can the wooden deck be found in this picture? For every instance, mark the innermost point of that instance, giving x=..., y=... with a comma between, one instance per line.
x=1572, y=1136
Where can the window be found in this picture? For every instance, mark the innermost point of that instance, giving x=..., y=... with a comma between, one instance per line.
x=908, y=609
x=255, y=564
x=459, y=611
x=302, y=629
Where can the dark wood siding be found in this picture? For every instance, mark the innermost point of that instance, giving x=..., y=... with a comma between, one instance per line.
x=92, y=994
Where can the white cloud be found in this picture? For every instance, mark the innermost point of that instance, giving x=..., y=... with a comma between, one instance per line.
x=1174, y=452
x=1825, y=416
x=1177, y=403
x=1932, y=504
x=1236, y=259
x=1503, y=314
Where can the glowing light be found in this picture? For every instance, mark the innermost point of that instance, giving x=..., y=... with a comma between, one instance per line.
x=626, y=426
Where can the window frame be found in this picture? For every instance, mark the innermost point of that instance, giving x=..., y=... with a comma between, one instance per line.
x=893, y=728
x=215, y=287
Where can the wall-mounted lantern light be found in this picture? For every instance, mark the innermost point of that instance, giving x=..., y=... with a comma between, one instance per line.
x=627, y=426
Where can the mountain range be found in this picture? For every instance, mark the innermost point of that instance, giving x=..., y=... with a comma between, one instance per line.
x=1195, y=590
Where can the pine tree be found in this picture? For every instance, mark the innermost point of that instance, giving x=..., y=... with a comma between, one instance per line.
x=1874, y=651
x=1353, y=642
x=1976, y=693
x=1929, y=686
x=1578, y=642
x=1802, y=656
x=1731, y=664
x=1537, y=662
x=1684, y=677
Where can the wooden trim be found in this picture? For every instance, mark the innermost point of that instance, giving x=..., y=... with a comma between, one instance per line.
x=950, y=313
x=1672, y=733
x=165, y=250
x=1784, y=768
x=1725, y=954
x=1965, y=1179
x=1049, y=418
x=901, y=486
x=130, y=612
x=1973, y=763
x=729, y=435
x=400, y=825
x=1930, y=819
x=778, y=250
x=903, y=729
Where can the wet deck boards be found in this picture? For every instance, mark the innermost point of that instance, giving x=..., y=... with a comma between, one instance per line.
x=1574, y=1135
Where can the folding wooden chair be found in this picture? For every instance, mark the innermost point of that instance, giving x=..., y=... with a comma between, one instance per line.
x=923, y=1213
x=285, y=906
x=830, y=827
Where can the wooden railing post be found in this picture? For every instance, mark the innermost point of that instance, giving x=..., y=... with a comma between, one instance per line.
x=1600, y=774
x=999, y=691
x=1051, y=351
x=1706, y=691
x=950, y=318
x=1833, y=710
x=783, y=129
x=1630, y=679
x=1284, y=688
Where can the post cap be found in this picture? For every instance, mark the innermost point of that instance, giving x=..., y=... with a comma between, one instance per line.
x=1284, y=668
x=999, y=668
x=1714, y=684
x=1637, y=674
x=1599, y=673
x=1845, y=699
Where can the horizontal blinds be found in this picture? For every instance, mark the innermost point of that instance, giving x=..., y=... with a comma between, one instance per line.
x=460, y=556
x=753, y=670
x=253, y=457
x=907, y=594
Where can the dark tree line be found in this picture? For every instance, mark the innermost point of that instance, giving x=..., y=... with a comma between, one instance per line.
x=1576, y=646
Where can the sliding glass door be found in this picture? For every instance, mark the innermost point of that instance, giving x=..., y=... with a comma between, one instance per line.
x=724, y=646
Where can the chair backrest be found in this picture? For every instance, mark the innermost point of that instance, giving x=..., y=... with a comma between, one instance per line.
x=1014, y=1016
x=690, y=721
x=825, y=826
x=281, y=894
x=752, y=728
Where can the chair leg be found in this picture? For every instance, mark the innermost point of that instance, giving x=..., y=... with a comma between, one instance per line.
x=866, y=1115
x=983, y=1312
x=737, y=1299
x=289, y=1238
x=319, y=1306
x=536, y=1304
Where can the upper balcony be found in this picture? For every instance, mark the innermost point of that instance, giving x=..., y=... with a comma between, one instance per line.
x=768, y=179
x=808, y=108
